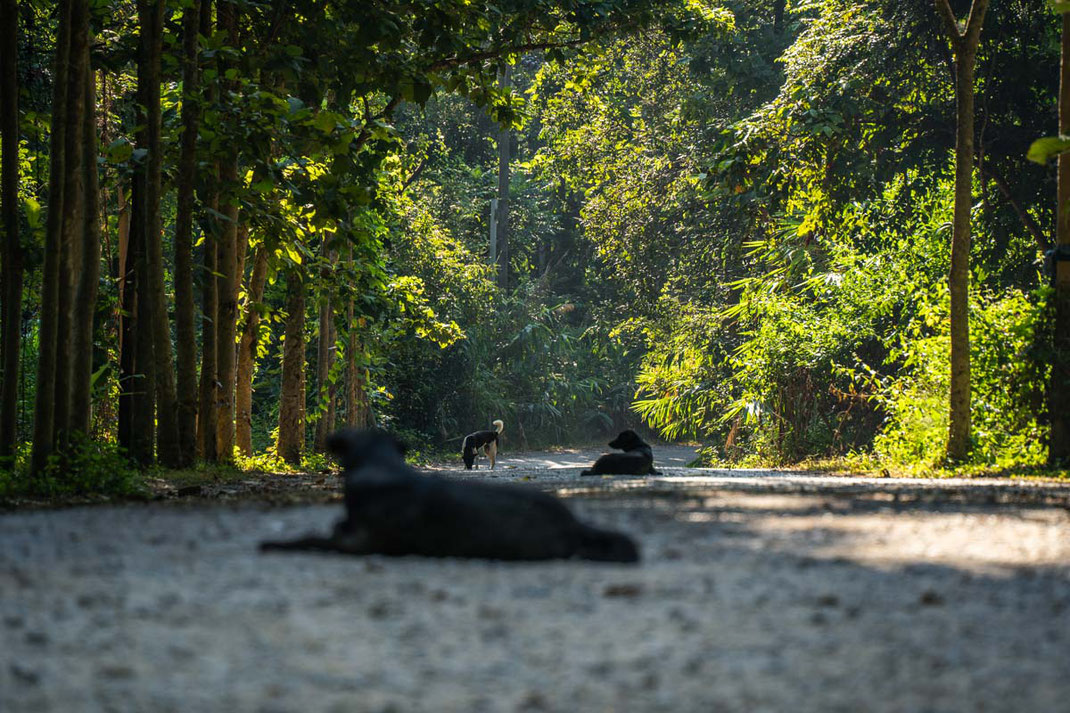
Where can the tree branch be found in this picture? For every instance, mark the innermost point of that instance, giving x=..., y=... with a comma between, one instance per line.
x=1027, y=220
x=450, y=62
x=977, y=19
x=950, y=23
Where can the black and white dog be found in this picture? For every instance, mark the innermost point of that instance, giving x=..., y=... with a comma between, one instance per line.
x=637, y=458
x=486, y=441
x=392, y=509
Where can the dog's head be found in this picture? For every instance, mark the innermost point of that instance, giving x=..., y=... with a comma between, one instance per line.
x=627, y=440
x=356, y=448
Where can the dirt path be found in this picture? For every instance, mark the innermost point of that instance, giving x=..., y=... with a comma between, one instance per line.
x=758, y=591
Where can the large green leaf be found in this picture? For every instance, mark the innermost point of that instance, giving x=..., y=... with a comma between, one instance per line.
x=1043, y=150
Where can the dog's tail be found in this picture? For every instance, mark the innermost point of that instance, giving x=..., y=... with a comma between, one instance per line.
x=498, y=424
x=606, y=546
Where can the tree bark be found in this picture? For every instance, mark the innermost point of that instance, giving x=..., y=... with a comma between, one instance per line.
x=247, y=352
x=150, y=14
x=227, y=291
x=964, y=46
x=44, y=401
x=1059, y=386
x=504, y=158
x=73, y=227
x=206, y=413
x=185, y=309
x=778, y=15
x=85, y=302
x=292, y=399
x=11, y=331
x=323, y=370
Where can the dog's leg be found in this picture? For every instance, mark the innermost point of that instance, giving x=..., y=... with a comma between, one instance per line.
x=492, y=452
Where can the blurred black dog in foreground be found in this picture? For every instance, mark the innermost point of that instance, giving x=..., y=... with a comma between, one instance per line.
x=393, y=510
x=637, y=458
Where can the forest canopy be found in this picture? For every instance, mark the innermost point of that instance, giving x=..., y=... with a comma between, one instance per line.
x=787, y=229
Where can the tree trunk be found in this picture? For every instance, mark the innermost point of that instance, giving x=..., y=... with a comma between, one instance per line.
x=778, y=15
x=964, y=46
x=247, y=353
x=185, y=309
x=73, y=227
x=85, y=302
x=129, y=380
x=504, y=157
x=292, y=399
x=331, y=417
x=227, y=291
x=206, y=413
x=323, y=371
x=150, y=13
x=44, y=401
x=11, y=334
x=1059, y=389
x=206, y=416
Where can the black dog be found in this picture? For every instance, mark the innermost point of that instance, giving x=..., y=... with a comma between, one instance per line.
x=637, y=458
x=487, y=441
x=393, y=510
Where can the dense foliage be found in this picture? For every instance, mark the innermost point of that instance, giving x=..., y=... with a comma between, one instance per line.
x=729, y=222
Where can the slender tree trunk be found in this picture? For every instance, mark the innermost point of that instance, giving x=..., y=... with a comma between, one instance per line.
x=206, y=416
x=292, y=399
x=12, y=253
x=227, y=291
x=1059, y=388
x=323, y=369
x=44, y=401
x=150, y=13
x=85, y=302
x=143, y=386
x=331, y=417
x=74, y=219
x=247, y=353
x=964, y=46
x=504, y=157
x=778, y=15
x=185, y=308
x=129, y=380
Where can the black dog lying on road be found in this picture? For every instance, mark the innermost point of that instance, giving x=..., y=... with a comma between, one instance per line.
x=637, y=458
x=393, y=510
x=487, y=441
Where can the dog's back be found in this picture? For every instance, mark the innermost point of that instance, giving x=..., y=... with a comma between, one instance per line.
x=637, y=458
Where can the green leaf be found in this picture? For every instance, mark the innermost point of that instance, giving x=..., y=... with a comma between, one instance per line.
x=1043, y=150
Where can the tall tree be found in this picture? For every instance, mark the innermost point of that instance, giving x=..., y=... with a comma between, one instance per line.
x=964, y=45
x=150, y=14
x=1059, y=387
x=12, y=275
x=185, y=309
x=292, y=399
x=227, y=266
x=243, y=399
x=88, y=272
x=44, y=400
x=502, y=219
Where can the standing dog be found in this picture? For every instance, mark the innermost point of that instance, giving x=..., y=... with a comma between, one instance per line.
x=637, y=458
x=487, y=441
x=393, y=510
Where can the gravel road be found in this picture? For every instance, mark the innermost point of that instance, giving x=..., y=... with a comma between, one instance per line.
x=759, y=591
